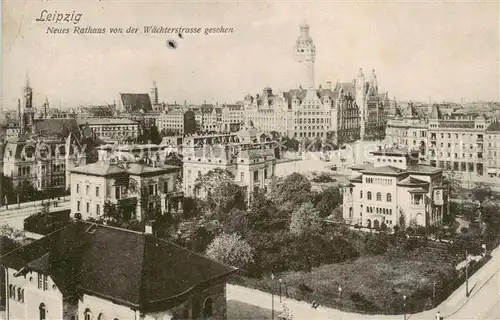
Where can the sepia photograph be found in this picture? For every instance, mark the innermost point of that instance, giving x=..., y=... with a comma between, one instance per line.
x=249, y=160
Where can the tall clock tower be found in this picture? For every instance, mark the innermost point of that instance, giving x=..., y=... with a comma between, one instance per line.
x=305, y=54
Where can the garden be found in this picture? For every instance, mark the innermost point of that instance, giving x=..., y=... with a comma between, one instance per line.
x=282, y=235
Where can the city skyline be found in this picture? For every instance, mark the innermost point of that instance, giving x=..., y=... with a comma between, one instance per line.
x=444, y=51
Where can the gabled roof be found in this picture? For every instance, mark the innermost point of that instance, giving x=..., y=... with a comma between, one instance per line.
x=493, y=127
x=59, y=127
x=360, y=167
x=357, y=178
x=412, y=182
x=126, y=267
x=134, y=102
x=386, y=170
x=99, y=169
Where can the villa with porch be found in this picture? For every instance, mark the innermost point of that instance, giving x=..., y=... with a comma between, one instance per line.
x=394, y=190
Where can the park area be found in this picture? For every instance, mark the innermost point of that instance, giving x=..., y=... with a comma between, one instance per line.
x=370, y=284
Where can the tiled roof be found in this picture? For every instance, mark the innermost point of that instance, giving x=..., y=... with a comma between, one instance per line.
x=410, y=181
x=129, y=268
x=493, y=127
x=356, y=178
x=423, y=169
x=60, y=127
x=134, y=102
x=360, y=167
x=389, y=170
x=99, y=169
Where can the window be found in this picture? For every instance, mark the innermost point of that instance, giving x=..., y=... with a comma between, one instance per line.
x=117, y=192
x=256, y=175
x=12, y=291
x=242, y=176
x=361, y=194
x=77, y=188
x=379, y=196
x=87, y=314
x=88, y=207
x=20, y=295
x=45, y=283
x=369, y=195
x=207, y=308
x=100, y=316
x=98, y=209
x=87, y=188
x=97, y=191
x=40, y=281
x=42, y=312
x=78, y=206
x=389, y=197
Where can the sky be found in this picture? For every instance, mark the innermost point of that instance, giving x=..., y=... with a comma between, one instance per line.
x=420, y=50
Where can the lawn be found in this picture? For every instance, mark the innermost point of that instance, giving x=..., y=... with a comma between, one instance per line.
x=370, y=284
x=241, y=311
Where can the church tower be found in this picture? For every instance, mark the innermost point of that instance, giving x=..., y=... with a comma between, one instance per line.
x=360, y=85
x=153, y=94
x=305, y=54
x=27, y=108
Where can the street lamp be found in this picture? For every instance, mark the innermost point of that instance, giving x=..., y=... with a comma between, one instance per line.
x=280, y=281
x=272, y=297
x=404, y=307
x=466, y=274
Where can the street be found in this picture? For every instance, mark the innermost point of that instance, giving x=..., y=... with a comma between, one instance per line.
x=15, y=216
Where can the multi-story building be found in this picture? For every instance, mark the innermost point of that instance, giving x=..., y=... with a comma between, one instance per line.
x=251, y=161
x=394, y=190
x=492, y=144
x=110, y=129
x=408, y=131
x=457, y=142
x=133, y=187
x=231, y=118
x=42, y=162
x=172, y=121
x=42, y=152
x=90, y=271
x=346, y=112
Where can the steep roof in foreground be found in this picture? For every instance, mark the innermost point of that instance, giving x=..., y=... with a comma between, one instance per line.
x=126, y=267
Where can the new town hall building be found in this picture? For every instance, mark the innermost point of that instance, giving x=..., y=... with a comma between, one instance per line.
x=343, y=112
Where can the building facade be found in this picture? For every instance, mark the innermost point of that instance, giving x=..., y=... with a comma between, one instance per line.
x=90, y=271
x=111, y=129
x=394, y=190
x=251, y=161
x=344, y=112
x=133, y=187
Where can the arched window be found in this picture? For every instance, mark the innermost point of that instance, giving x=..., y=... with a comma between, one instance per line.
x=369, y=195
x=42, y=311
x=379, y=196
x=208, y=308
x=101, y=316
x=12, y=291
x=389, y=197
x=87, y=315
x=20, y=294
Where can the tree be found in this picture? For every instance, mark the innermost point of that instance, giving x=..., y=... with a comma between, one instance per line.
x=483, y=196
x=222, y=193
x=230, y=249
x=111, y=212
x=327, y=201
x=305, y=220
x=291, y=192
x=154, y=135
x=11, y=232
